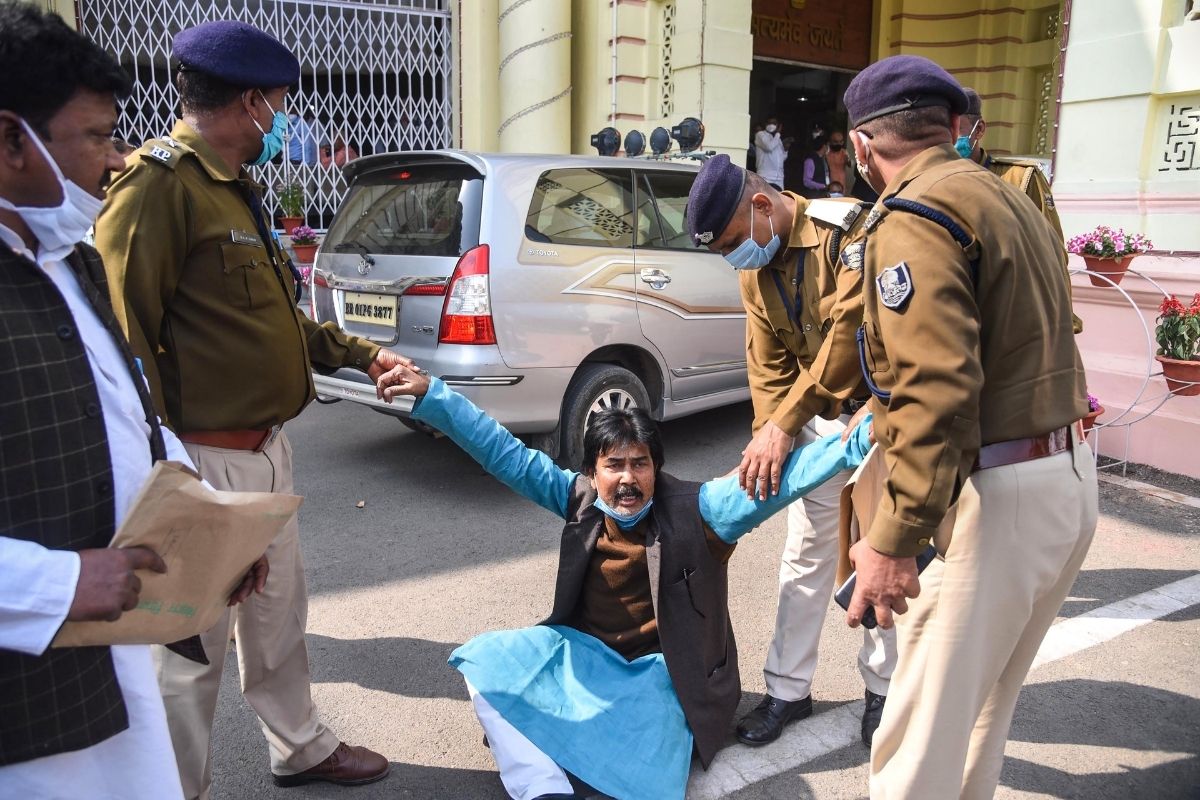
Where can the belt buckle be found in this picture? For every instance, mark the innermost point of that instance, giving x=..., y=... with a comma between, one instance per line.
x=270, y=437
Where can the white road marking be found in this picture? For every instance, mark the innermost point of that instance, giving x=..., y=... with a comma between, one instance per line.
x=739, y=766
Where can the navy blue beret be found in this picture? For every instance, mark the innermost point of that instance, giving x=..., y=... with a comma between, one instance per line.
x=974, y=102
x=713, y=199
x=899, y=83
x=237, y=53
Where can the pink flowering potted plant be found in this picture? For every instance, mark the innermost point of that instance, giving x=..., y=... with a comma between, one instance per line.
x=1107, y=252
x=1178, y=335
x=1094, y=410
x=304, y=243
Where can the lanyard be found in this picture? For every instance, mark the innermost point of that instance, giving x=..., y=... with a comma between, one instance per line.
x=792, y=306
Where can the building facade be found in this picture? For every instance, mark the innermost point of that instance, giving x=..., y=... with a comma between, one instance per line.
x=1107, y=92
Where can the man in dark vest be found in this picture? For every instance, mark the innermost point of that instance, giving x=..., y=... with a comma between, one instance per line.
x=636, y=665
x=78, y=437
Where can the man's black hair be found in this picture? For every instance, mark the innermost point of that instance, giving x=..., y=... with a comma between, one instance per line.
x=911, y=124
x=614, y=428
x=44, y=63
x=201, y=92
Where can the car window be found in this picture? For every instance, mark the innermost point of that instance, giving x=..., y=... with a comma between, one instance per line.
x=417, y=209
x=670, y=191
x=583, y=206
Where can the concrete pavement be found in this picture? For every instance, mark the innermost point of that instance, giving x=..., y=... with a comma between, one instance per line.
x=441, y=552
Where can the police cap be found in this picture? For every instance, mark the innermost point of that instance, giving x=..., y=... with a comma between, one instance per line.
x=237, y=53
x=713, y=199
x=899, y=83
x=974, y=102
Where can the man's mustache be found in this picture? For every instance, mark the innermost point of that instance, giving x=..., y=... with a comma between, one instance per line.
x=628, y=492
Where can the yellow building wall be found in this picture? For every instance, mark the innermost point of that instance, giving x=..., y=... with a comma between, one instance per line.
x=1005, y=50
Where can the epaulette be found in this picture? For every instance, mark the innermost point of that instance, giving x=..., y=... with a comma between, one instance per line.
x=165, y=151
x=1016, y=161
x=841, y=213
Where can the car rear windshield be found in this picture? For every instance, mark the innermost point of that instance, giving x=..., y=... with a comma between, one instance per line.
x=412, y=210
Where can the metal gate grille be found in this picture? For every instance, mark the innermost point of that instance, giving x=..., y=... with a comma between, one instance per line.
x=374, y=73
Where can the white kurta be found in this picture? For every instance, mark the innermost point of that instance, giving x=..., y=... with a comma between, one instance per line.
x=37, y=587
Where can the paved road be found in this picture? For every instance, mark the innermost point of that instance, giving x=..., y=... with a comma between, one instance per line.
x=441, y=552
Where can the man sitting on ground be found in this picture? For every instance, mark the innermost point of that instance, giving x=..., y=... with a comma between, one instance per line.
x=636, y=664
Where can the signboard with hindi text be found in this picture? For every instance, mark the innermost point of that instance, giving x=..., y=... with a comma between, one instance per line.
x=833, y=33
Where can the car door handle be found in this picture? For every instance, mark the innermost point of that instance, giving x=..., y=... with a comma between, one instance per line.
x=656, y=278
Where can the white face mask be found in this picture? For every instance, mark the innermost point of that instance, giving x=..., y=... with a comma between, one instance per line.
x=772, y=128
x=57, y=228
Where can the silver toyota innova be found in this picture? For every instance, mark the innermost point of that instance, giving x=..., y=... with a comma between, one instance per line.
x=543, y=288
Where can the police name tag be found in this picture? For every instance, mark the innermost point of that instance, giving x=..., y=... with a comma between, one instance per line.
x=895, y=286
x=244, y=237
x=852, y=256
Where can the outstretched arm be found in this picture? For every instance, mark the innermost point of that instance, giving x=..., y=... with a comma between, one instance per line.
x=731, y=514
x=528, y=472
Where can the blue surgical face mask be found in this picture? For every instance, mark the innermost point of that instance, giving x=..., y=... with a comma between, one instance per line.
x=624, y=521
x=963, y=143
x=752, y=255
x=272, y=139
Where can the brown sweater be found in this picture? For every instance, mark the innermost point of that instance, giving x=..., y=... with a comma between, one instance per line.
x=615, y=605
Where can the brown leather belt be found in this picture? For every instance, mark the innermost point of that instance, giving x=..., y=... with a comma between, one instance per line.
x=255, y=441
x=1001, y=454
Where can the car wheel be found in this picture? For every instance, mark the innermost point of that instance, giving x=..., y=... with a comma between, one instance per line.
x=595, y=387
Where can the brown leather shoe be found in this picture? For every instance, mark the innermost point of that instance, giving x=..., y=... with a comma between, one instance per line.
x=346, y=766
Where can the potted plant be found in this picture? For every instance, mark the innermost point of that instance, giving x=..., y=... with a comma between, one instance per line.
x=1178, y=333
x=304, y=243
x=291, y=205
x=1094, y=410
x=1108, y=252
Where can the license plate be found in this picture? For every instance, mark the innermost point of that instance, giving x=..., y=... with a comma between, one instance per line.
x=372, y=309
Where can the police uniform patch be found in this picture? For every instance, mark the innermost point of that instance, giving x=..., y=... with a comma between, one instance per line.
x=895, y=286
x=872, y=219
x=852, y=256
x=161, y=154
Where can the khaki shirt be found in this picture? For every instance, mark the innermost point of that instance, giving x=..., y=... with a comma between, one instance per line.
x=1029, y=178
x=967, y=362
x=803, y=364
x=207, y=304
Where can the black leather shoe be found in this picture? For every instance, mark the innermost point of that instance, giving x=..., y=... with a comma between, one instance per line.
x=765, y=723
x=871, y=716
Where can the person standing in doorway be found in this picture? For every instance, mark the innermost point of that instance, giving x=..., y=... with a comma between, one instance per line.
x=838, y=161
x=771, y=153
x=816, y=170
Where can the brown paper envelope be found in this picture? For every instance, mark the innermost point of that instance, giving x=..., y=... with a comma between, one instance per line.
x=208, y=540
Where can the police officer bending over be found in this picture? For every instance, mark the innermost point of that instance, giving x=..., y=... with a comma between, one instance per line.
x=978, y=391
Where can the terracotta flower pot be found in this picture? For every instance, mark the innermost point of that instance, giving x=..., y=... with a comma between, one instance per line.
x=305, y=253
x=1090, y=419
x=1113, y=268
x=1183, y=377
x=290, y=223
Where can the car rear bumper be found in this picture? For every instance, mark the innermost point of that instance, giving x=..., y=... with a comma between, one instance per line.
x=524, y=401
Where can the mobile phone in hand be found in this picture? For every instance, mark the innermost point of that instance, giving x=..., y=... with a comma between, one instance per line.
x=846, y=590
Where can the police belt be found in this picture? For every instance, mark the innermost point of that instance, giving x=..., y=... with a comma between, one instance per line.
x=1016, y=451
x=254, y=441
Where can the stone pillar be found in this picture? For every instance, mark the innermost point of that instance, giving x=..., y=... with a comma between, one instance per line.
x=477, y=90
x=535, y=76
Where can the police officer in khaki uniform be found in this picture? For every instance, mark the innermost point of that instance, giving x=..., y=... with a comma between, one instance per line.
x=803, y=309
x=207, y=299
x=978, y=391
x=1024, y=173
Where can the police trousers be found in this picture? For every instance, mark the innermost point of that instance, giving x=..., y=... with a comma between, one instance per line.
x=969, y=638
x=269, y=631
x=806, y=577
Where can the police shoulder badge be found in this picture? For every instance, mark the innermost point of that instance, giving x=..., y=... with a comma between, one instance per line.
x=895, y=286
x=852, y=256
x=161, y=154
x=704, y=238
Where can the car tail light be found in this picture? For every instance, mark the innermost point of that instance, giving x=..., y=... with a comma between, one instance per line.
x=318, y=279
x=426, y=289
x=467, y=311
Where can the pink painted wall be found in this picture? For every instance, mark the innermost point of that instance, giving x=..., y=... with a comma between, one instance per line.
x=1116, y=355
